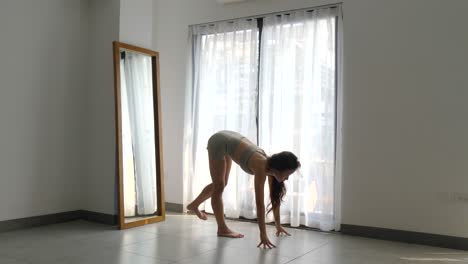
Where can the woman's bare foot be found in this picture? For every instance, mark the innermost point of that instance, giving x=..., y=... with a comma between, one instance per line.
x=199, y=213
x=229, y=233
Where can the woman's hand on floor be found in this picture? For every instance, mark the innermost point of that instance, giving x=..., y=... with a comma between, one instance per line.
x=280, y=231
x=265, y=242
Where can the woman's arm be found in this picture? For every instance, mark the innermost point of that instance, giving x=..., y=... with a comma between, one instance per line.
x=259, y=198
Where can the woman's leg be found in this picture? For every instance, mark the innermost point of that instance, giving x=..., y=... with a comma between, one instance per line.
x=203, y=196
x=228, y=170
x=207, y=192
x=219, y=170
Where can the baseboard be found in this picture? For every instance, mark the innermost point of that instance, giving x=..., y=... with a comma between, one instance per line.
x=99, y=217
x=406, y=236
x=173, y=207
x=28, y=222
x=15, y=224
x=10, y=225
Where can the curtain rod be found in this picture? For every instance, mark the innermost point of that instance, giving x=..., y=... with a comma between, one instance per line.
x=309, y=9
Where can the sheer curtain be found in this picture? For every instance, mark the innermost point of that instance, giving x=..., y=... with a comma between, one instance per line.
x=298, y=109
x=294, y=99
x=222, y=94
x=127, y=149
x=138, y=132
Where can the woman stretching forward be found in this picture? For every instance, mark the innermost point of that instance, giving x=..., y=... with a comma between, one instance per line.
x=226, y=146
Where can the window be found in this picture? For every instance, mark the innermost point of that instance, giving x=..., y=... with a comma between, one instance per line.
x=274, y=80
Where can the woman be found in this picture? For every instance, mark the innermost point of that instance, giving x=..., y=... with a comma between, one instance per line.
x=226, y=146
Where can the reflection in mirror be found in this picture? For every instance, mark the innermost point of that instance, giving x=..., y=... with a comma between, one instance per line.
x=140, y=176
x=139, y=160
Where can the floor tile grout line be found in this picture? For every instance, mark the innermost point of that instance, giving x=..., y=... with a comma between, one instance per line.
x=197, y=255
x=168, y=260
x=146, y=256
x=321, y=246
x=136, y=242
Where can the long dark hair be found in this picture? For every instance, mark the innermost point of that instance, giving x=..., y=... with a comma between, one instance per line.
x=280, y=161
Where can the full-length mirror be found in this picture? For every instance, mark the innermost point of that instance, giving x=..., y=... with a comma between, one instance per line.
x=137, y=100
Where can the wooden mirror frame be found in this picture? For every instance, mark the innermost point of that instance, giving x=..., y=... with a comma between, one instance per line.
x=161, y=212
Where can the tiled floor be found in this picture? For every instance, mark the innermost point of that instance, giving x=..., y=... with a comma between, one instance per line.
x=185, y=239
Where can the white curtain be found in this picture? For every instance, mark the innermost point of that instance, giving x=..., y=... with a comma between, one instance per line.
x=127, y=149
x=222, y=94
x=298, y=109
x=296, y=106
x=138, y=134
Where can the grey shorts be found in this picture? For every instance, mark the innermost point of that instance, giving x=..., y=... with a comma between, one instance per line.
x=223, y=143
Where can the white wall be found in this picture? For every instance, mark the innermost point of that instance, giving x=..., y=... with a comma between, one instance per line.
x=57, y=142
x=405, y=82
x=42, y=93
x=136, y=22
x=405, y=129
x=99, y=183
